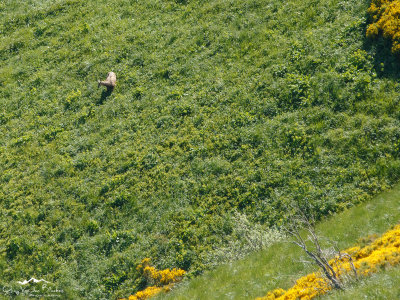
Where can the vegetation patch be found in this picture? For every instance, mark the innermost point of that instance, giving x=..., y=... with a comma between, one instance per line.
x=224, y=112
x=156, y=281
x=283, y=263
x=383, y=252
x=385, y=16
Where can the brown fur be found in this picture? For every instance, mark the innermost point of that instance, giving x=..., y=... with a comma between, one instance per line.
x=110, y=82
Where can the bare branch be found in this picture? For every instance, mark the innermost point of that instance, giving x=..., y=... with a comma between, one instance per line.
x=307, y=223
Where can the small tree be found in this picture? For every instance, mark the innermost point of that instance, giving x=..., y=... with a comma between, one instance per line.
x=302, y=223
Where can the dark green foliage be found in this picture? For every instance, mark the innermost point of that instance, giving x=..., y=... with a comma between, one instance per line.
x=220, y=106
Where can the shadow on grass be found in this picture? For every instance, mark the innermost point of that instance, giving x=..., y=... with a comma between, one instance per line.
x=104, y=95
x=386, y=64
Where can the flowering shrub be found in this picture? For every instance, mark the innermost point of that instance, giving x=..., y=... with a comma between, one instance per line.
x=383, y=251
x=385, y=16
x=161, y=280
x=306, y=287
x=146, y=293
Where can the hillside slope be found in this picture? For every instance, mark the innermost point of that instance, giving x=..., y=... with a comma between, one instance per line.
x=283, y=263
x=224, y=112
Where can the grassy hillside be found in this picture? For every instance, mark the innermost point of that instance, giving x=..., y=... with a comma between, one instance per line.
x=224, y=112
x=283, y=263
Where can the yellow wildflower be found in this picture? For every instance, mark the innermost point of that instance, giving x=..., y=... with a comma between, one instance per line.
x=385, y=14
x=162, y=280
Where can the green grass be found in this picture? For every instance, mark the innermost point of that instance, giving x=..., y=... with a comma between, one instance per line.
x=224, y=113
x=383, y=285
x=283, y=263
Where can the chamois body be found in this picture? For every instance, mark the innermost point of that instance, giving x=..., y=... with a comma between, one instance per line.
x=110, y=82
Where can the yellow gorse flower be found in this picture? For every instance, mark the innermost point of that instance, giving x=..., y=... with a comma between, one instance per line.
x=164, y=277
x=383, y=251
x=162, y=280
x=146, y=293
x=385, y=15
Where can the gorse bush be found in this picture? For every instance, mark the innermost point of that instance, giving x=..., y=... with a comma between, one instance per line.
x=385, y=17
x=159, y=281
x=159, y=278
x=222, y=108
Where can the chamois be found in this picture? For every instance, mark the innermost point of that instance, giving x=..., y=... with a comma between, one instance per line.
x=110, y=82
